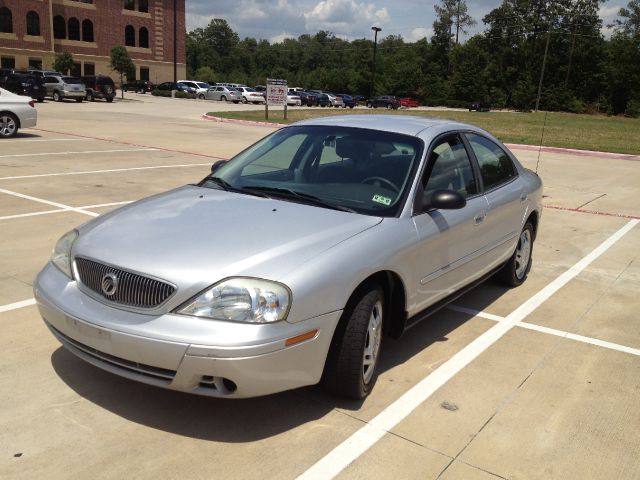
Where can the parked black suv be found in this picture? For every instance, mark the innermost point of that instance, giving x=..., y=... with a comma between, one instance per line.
x=384, y=101
x=138, y=86
x=24, y=84
x=99, y=86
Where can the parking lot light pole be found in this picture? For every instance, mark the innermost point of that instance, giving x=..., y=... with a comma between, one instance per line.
x=373, y=70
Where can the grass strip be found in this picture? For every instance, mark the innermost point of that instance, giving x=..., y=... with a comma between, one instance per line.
x=566, y=130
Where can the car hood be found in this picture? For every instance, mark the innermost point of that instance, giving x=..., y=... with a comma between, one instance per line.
x=193, y=236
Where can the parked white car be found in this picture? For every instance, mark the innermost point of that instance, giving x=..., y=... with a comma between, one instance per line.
x=224, y=94
x=251, y=95
x=16, y=112
x=293, y=99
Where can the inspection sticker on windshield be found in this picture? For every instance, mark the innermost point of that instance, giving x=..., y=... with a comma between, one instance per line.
x=380, y=199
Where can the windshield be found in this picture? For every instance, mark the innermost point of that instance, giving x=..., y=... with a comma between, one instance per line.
x=353, y=169
x=203, y=84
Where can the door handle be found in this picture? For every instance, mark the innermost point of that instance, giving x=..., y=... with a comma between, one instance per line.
x=523, y=197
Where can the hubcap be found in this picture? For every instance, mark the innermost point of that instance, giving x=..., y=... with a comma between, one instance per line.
x=372, y=342
x=523, y=253
x=7, y=126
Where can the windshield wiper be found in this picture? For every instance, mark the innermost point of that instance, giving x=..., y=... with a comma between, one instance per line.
x=311, y=199
x=226, y=186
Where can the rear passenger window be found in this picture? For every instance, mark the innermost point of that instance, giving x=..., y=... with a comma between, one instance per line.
x=495, y=165
x=451, y=169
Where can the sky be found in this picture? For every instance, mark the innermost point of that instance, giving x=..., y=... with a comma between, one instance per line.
x=275, y=20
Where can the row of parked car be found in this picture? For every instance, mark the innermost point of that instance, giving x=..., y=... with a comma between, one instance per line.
x=39, y=84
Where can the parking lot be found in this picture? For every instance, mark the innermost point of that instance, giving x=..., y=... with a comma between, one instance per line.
x=537, y=382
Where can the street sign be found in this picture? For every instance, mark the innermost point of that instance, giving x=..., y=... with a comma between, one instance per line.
x=276, y=91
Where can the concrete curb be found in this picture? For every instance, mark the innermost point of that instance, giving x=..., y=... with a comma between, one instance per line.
x=512, y=146
x=242, y=122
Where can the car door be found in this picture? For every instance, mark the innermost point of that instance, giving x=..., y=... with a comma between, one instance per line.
x=49, y=84
x=450, y=242
x=505, y=194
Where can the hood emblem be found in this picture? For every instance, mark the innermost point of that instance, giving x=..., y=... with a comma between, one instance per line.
x=109, y=284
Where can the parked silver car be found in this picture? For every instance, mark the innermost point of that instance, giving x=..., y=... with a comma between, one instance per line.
x=286, y=264
x=225, y=94
x=60, y=88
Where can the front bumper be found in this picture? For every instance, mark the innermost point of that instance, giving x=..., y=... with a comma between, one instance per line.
x=225, y=360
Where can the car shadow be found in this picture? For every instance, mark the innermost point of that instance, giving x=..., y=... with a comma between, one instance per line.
x=244, y=420
x=23, y=134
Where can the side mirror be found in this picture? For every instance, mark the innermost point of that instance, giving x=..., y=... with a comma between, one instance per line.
x=443, y=199
x=217, y=165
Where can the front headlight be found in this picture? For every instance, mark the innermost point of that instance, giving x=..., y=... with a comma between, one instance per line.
x=61, y=255
x=249, y=300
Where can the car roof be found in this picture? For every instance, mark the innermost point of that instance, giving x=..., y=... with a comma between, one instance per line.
x=408, y=125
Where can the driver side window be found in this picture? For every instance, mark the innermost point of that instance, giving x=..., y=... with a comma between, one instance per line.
x=450, y=169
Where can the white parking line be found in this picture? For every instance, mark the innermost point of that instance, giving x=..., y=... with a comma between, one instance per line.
x=47, y=202
x=548, y=330
x=112, y=170
x=17, y=305
x=344, y=454
x=48, y=212
x=78, y=153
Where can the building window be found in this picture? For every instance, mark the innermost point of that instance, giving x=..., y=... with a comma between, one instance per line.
x=59, y=27
x=87, y=31
x=6, y=20
x=129, y=36
x=144, y=74
x=74, y=29
x=35, y=63
x=143, y=5
x=89, y=69
x=7, y=62
x=129, y=5
x=76, y=69
x=144, y=38
x=33, y=24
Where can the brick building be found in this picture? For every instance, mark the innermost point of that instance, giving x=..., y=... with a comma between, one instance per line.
x=33, y=31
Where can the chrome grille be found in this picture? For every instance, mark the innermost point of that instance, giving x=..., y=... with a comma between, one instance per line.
x=132, y=289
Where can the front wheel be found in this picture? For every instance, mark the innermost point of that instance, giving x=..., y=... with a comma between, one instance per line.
x=244, y=100
x=90, y=97
x=57, y=97
x=79, y=100
x=201, y=96
x=351, y=368
x=8, y=125
x=515, y=271
x=223, y=98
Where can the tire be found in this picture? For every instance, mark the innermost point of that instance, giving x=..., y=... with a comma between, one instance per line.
x=57, y=97
x=90, y=97
x=8, y=125
x=109, y=99
x=201, y=96
x=515, y=271
x=389, y=106
x=369, y=105
x=223, y=98
x=351, y=368
x=79, y=100
x=244, y=100
x=108, y=90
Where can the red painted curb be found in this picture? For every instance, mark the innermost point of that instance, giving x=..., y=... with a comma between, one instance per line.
x=574, y=151
x=592, y=212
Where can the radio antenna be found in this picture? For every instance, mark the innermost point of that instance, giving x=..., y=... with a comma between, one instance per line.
x=541, y=138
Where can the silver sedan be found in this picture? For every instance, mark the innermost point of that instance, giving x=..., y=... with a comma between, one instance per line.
x=224, y=94
x=286, y=265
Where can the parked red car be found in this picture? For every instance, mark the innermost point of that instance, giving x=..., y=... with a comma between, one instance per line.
x=409, y=102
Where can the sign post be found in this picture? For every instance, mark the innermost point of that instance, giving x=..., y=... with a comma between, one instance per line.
x=276, y=95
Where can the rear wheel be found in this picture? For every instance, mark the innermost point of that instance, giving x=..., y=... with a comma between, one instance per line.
x=515, y=271
x=201, y=96
x=389, y=106
x=109, y=99
x=79, y=100
x=57, y=97
x=244, y=100
x=90, y=97
x=223, y=98
x=8, y=125
x=351, y=368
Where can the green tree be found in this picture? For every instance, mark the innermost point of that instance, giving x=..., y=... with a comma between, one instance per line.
x=121, y=62
x=63, y=62
x=205, y=74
